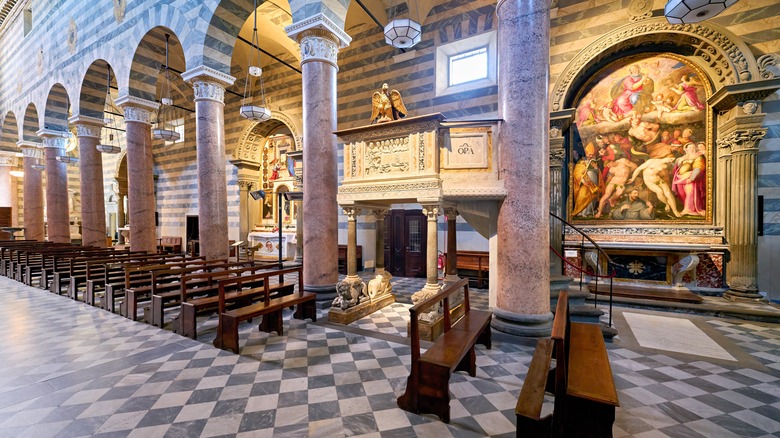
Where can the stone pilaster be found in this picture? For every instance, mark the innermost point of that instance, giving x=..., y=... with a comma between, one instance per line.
x=320, y=40
x=743, y=238
x=451, y=269
x=140, y=178
x=93, y=206
x=523, y=289
x=379, y=239
x=559, y=123
x=57, y=217
x=209, y=88
x=34, y=228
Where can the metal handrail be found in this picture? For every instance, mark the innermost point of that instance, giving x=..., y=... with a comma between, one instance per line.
x=601, y=253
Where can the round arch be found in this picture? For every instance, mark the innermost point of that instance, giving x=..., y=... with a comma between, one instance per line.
x=55, y=113
x=9, y=133
x=94, y=87
x=249, y=143
x=722, y=55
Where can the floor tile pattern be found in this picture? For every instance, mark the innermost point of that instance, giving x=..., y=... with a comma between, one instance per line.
x=71, y=370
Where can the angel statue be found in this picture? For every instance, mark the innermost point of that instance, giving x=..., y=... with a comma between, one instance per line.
x=387, y=105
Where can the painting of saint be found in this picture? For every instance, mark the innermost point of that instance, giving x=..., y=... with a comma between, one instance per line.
x=643, y=142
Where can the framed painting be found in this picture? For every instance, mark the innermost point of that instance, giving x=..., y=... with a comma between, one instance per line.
x=641, y=147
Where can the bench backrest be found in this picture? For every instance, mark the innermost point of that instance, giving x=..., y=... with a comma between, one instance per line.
x=237, y=282
x=560, y=335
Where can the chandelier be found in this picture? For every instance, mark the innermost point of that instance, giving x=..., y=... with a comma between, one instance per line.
x=70, y=146
x=165, y=128
x=109, y=122
x=258, y=113
x=694, y=11
x=403, y=33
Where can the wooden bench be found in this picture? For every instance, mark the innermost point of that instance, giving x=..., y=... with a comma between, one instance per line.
x=237, y=294
x=427, y=388
x=170, y=244
x=475, y=263
x=267, y=307
x=585, y=394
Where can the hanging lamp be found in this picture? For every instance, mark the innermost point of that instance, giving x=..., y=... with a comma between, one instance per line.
x=403, y=33
x=258, y=113
x=694, y=11
x=165, y=128
x=110, y=123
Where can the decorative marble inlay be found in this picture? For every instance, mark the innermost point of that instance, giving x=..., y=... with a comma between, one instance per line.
x=421, y=151
x=673, y=334
x=709, y=272
x=635, y=231
x=208, y=90
x=119, y=10
x=387, y=157
x=423, y=185
x=72, y=37
x=319, y=48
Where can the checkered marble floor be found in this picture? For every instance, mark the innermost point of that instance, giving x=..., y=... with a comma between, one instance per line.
x=71, y=370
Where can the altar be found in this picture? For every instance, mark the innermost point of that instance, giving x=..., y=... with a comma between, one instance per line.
x=269, y=245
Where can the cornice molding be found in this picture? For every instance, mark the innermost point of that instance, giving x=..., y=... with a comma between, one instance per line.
x=297, y=30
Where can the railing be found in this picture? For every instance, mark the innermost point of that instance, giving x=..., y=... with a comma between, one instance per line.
x=602, y=256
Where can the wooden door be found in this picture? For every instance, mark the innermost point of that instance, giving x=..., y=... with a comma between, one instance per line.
x=406, y=243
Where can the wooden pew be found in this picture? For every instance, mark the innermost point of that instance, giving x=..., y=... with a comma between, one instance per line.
x=427, y=388
x=77, y=268
x=99, y=271
x=268, y=306
x=237, y=294
x=170, y=244
x=582, y=382
x=476, y=263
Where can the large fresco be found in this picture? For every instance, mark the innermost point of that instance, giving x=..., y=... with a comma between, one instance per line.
x=641, y=148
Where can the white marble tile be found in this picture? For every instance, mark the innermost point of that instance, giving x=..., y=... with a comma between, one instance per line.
x=695, y=406
x=673, y=334
x=753, y=418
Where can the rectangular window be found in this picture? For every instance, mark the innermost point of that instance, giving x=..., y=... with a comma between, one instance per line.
x=468, y=66
x=28, y=18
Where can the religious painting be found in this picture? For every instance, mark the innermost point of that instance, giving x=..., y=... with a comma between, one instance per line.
x=641, y=148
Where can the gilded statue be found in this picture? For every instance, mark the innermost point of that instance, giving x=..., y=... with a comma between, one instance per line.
x=387, y=105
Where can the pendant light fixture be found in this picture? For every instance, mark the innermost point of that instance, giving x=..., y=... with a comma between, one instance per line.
x=403, y=33
x=109, y=123
x=694, y=11
x=165, y=128
x=258, y=113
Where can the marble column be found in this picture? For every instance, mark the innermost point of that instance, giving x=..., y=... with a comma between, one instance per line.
x=432, y=287
x=320, y=40
x=93, y=204
x=743, y=237
x=140, y=178
x=451, y=268
x=523, y=277
x=57, y=212
x=208, y=86
x=379, y=240
x=120, y=213
x=32, y=192
x=352, y=214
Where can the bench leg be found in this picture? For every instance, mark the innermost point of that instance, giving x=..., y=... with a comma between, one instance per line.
x=306, y=310
x=157, y=315
x=108, y=299
x=434, y=393
x=468, y=363
x=272, y=322
x=43, y=282
x=89, y=293
x=485, y=338
x=131, y=305
x=187, y=321
x=588, y=419
x=229, y=335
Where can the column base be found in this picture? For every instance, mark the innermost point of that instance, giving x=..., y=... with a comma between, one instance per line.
x=426, y=292
x=737, y=296
x=451, y=278
x=325, y=295
x=530, y=326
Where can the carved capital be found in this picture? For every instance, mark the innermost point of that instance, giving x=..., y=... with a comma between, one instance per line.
x=53, y=139
x=432, y=211
x=317, y=47
x=351, y=212
x=320, y=23
x=380, y=213
x=246, y=185
x=137, y=109
x=31, y=150
x=746, y=140
x=557, y=154
x=208, y=90
x=451, y=213
x=202, y=73
x=88, y=130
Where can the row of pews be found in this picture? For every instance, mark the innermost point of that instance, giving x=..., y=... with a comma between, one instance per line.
x=148, y=286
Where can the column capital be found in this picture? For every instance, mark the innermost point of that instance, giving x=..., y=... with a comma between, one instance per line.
x=351, y=212
x=557, y=153
x=205, y=89
x=379, y=213
x=318, y=23
x=451, y=212
x=87, y=126
x=432, y=211
x=52, y=138
x=745, y=140
x=30, y=149
x=246, y=184
x=137, y=109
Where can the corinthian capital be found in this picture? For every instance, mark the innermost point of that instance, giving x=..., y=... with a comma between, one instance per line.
x=745, y=140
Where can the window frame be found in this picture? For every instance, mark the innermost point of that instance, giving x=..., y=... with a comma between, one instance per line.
x=446, y=51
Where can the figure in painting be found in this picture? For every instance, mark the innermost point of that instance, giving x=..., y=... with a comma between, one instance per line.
x=689, y=183
x=633, y=91
x=687, y=91
x=619, y=171
x=387, y=105
x=275, y=171
x=587, y=179
x=661, y=106
x=655, y=176
x=633, y=208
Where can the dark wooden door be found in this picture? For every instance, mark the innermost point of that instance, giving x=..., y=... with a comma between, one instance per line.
x=406, y=243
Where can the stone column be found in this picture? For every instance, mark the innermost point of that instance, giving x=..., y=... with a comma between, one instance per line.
x=352, y=214
x=320, y=40
x=432, y=287
x=208, y=86
x=379, y=240
x=33, y=192
x=57, y=217
x=451, y=268
x=93, y=206
x=140, y=180
x=120, y=220
x=743, y=237
x=523, y=289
